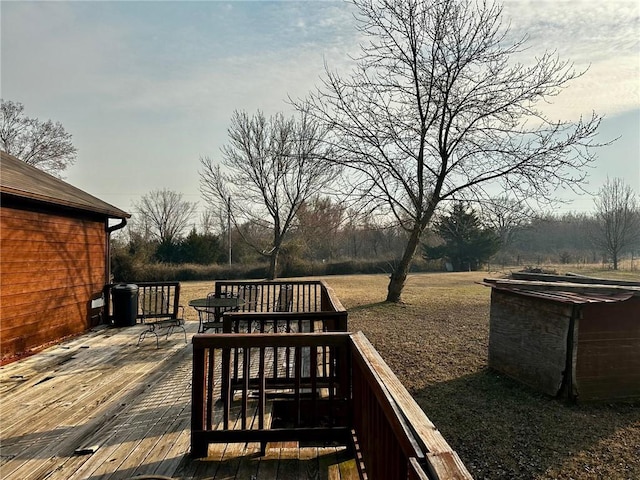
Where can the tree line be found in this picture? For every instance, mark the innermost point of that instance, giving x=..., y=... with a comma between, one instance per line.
x=436, y=113
x=463, y=237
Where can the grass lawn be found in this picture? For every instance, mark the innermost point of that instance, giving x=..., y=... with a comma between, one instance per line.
x=436, y=343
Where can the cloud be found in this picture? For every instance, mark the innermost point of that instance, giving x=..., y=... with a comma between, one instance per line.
x=131, y=58
x=600, y=38
x=155, y=83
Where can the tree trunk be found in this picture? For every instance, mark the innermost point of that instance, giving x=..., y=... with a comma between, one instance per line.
x=399, y=275
x=272, y=274
x=615, y=260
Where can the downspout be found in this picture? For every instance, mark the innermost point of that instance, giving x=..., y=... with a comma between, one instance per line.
x=107, y=263
x=118, y=226
x=110, y=230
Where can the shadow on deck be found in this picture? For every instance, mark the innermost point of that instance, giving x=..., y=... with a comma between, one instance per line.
x=98, y=407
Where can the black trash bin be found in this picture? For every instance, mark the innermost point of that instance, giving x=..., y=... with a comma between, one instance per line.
x=125, y=304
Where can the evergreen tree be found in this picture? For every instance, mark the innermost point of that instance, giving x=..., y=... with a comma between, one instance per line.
x=467, y=245
x=203, y=249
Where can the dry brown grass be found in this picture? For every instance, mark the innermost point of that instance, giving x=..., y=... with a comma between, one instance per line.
x=437, y=341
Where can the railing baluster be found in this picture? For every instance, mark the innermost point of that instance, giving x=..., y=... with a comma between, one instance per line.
x=313, y=369
x=315, y=299
x=331, y=380
x=275, y=362
x=298, y=378
x=262, y=399
x=198, y=446
x=246, y=362
x=210, y=381
x=288, y=353
x=226, y=387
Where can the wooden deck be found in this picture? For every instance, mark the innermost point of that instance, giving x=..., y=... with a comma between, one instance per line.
x=98, y=407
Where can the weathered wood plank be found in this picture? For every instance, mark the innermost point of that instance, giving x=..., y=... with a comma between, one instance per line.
x=348, y=467
x=249, y=461
x=82, y=415
x=528, y=339
x=308, y=463
x=132, y=404
x=115, y=444
x=162, y=404
x=289, y=463
x=328, y=468
x=268, y=466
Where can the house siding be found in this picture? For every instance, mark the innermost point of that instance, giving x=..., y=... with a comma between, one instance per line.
x=52, y=263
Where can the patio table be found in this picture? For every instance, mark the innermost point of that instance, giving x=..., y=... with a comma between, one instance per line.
x=210, y=310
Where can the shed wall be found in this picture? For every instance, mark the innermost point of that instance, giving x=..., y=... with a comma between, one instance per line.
x=608, y=353
x=51, y=266
x=528, y=339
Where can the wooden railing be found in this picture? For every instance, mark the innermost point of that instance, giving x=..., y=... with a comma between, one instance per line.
x=284, y=322
x=333, y=386
x=281, y=296
x=169, y=291
x=395, y=436
x=281, y=307
x=307, y=373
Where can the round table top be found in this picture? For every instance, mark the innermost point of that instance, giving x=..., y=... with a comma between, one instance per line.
x=216, y=302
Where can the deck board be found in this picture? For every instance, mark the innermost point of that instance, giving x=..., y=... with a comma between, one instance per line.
x=97, y=407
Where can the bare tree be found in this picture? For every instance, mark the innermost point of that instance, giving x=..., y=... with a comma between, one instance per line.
x=45, y=145
x=210, y=223
x=505, y=216
x=318, y=224
x=617, y=215
x=271, y=167
x=437, y=109
x=165, y=215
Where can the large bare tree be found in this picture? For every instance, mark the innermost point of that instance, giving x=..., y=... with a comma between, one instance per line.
x=45, y=145
x=617, y=219
x=437, y=109
x=164, y=215
x=270, y=167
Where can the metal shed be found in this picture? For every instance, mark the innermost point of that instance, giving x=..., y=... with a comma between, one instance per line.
x=564, y=336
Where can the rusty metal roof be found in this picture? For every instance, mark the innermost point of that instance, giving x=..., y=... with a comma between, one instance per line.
x=566, y=292
x=21, y=180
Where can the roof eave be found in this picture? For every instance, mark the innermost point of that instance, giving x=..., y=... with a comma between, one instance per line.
x=56, y=202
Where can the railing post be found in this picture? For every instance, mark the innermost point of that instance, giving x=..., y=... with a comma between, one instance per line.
x=176, y=299
x=226, y=385
x=199, y=447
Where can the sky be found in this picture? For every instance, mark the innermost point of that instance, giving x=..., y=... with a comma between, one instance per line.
x=146, y=88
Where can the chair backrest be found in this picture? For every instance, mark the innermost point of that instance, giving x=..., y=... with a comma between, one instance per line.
x=155, y=304
x=285, y=299
x=250, y=294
